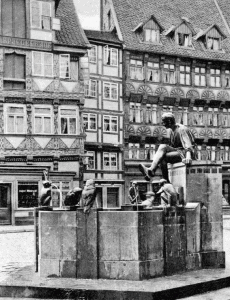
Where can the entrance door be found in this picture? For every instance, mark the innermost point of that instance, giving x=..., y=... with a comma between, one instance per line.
x=5, y=204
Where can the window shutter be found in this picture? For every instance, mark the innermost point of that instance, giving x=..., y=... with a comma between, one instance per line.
x=7, y=17
x=48, y=64
x=20, y=66
x=35, y=15
x=19, y=18
x=9, y=66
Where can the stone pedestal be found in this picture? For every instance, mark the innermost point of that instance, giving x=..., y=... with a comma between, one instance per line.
x=131, y=244
x=202, y=183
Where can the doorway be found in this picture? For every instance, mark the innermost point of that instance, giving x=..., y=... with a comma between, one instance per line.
x=5, y=204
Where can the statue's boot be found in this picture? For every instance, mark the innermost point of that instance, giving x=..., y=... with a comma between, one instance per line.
x=147, y=173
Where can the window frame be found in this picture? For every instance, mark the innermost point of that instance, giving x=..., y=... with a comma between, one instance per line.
x=61, y=66
x=207, y=38
x=25, y=182
x=108, y=56
x=135, y=66
x=110, y=118
x=88, y=89
x=24, y=115
x=14, y=79
x=68, y=117
x=43, y=116
x=89, y=115
x=40, y=3
x=200, y=74
x=170, y=71
x=110, y=167
x=94, y=162
x=214, y=75
x=151, y=69
x=185, y=73
x=42, y=64
x=227, y=76
x=92, y=58
x=151, y=31
x=110, y=84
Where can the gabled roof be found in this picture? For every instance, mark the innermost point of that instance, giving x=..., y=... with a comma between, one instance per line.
x=71, y=33
x=184, y=21
x=102, y=36
x=204, y=32
x=140, y=25
x=200, y=14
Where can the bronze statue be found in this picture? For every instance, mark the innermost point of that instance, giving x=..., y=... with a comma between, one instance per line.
x=168, y=193
x=45, y=198
x=133, y=193
x=89, y=195
x=181, y=147
x=150, y=197
x=73, y=197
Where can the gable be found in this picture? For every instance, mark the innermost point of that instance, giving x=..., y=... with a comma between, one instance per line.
x=183, y=28
x=151, y=24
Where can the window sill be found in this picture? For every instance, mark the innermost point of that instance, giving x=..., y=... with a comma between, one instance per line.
x=112, y=66
x=14, y=79
x=91, y=130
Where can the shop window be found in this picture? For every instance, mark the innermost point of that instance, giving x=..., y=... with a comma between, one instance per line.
x=200, y=76
x=136, y=69
x=93, y=54
x=27, y=194
x=215, y=77
x=91, y=88
x=110, y=124
x=68, y=121
x=90, y=121
x=112, y=197
x=13, y=18
x=42, y=120
x=185, y=75
x=110, y=161
x=41, y=15
x=153, y=72
x=14, y=71
x=169, y=74
x=110, y=91
x=90, y=160
x=15, y=119
x=110, y=56
x=64, y=60
x=42, y=64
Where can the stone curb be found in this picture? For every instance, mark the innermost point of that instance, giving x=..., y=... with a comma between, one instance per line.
x=91, y=294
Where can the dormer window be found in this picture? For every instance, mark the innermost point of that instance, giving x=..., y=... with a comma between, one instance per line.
x=213, y=43
x=183, y=35
x=152, y=36
x=41, y=15
x=184, y=39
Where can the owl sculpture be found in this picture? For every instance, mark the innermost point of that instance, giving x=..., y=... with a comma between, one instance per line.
x=88, y=195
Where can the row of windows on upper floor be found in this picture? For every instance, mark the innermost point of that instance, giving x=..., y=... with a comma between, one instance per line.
x=42, y=65
x=15, y=119
x=14, y=17
x=110, y=90
x=182, y=75
x=110, y=161
x=150, y=114
x=110, y=123
x=110, y=57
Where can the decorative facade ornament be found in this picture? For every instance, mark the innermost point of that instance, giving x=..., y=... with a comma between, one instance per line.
x=193, y=94
x=145, y=90
x=35, y=86
x=161, y=91
x=143, y=130
x=220, y=134
x=28, y=84
x=129, y=88
x=55, y=110
x=56, y=144
x=29, y=144
x=206, y=134
x=5, y=144
x=28, y=64
x=56, y=65
x=160, y=132
x=78, y=144
x=223, y=96
x=194, y=132
x=177, y=93
x=29, y=118
x=130, y=129
x=208, y=95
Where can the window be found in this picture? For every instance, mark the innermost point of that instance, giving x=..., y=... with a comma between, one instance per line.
x=169, y=73
x=215, y=78
x=42, y=64
x=213, y=116
x=213, y=43
x=153, y=72
x=91, y=89
x=13, y=20
x=134, y=151
x=64, y=65
x=90, y=121
x=110, y=90
x=15, y=119
x=227, y=78
x=185, y=76
x=109, y=19
x=110, y=56
x=93, y=54
x=198, y=116
x=112, y=197
x=90, y=160
x=68, y=121
x=14, y=71
x=41, y=15
x=27, y=194
x=74, y=68
x=184, y=40
x=136, y=69
x=42, y=120
x=200, y=76
x=149, y=151
x=110, y=161
x=152, y=35
x=135, y=113
x=151, y=114
x=110, y=124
